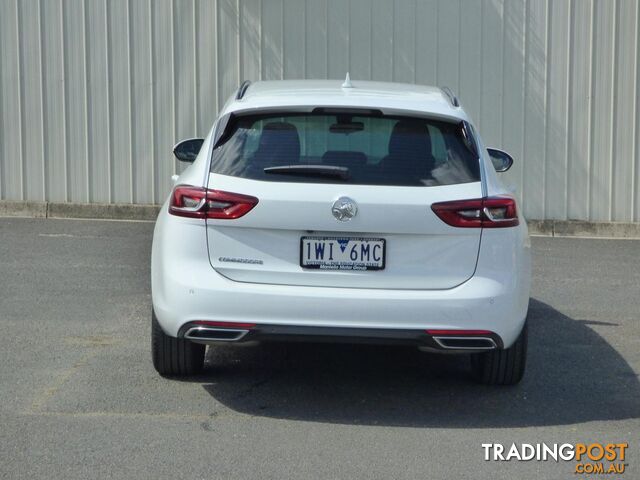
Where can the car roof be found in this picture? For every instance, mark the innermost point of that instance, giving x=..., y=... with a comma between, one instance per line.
x=304, y=95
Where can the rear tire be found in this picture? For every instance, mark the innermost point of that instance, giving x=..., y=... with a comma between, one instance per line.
x=502, y=367
x=172, y=356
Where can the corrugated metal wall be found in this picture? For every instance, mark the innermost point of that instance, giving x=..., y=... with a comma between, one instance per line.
x=95, y=92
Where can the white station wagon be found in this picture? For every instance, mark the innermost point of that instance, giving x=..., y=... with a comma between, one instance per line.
x=363, y=212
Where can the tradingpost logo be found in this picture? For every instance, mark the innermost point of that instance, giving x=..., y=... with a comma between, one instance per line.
x=589, y=458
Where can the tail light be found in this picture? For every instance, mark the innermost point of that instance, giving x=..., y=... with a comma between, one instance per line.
x=490, y=212
x=199, y=202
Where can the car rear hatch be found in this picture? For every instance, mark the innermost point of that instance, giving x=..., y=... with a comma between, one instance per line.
x=342, y=199
x=265, y=246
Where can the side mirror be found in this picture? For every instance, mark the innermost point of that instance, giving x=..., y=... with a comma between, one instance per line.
x=502, y=161
x=187, y=150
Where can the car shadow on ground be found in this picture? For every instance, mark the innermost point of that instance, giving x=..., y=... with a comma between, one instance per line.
x=573, y=375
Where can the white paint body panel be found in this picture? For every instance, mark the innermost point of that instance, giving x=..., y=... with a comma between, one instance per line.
x=486, y=289
x=422, y=252
x=186, y=288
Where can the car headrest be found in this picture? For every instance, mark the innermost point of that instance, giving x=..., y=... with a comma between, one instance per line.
x=410, y=139
x=279, y=142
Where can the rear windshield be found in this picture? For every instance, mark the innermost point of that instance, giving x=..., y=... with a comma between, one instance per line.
x=346, y=148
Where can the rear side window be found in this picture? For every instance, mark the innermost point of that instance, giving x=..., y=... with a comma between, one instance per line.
x=362, y=149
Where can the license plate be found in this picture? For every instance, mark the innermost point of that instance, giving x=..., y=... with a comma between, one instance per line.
x=342, y=253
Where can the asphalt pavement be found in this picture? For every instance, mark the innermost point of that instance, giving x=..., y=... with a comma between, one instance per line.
x=79, y=397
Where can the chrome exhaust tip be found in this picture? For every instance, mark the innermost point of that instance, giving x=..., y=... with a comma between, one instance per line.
x=466, y=343
x=202, y=334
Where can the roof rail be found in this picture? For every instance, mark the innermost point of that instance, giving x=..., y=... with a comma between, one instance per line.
x=451, y=96
x=242, y=89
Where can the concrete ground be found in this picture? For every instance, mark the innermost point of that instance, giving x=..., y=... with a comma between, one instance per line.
x=79, y=397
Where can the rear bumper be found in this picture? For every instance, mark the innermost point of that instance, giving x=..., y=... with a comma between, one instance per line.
x=434, y=341
x=185, y=289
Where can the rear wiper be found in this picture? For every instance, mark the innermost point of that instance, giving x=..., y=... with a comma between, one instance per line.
x=310, y=171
